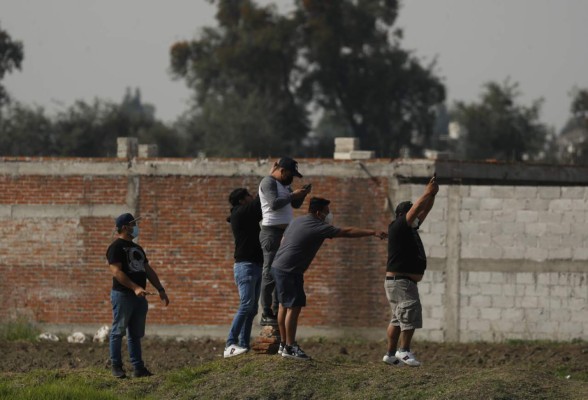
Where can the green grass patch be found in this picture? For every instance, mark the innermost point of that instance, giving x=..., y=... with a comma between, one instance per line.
x=50, y=385
x=18, y=329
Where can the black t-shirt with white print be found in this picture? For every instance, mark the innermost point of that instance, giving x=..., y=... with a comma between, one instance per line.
x=132, y=258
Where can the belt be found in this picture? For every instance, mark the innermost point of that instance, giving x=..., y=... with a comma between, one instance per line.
x=399, y=278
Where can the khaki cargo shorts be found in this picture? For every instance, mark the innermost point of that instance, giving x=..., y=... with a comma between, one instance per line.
x=405, y=304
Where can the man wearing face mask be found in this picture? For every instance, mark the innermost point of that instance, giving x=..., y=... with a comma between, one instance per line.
x=406, y=266
x=302, y=240
x=277, y=203
x=130, y=270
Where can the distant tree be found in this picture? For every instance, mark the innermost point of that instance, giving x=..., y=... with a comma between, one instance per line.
x=340, y=57
x=11, y=56
x=321, y=143
x=243, y=75
x=357, y=69
x=90, y=130
x=572, y=143
x=84, y=129
x=26, y=131
x=579, y=107
x=499, y=128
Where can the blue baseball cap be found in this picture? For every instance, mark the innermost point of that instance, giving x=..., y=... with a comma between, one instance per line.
x=125, y=219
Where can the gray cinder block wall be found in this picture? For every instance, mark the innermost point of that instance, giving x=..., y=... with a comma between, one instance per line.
x=508, y=251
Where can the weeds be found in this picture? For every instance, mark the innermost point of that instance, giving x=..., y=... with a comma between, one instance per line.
x=18, y=329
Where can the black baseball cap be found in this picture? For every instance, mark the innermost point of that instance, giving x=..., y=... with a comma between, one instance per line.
x=290, y=164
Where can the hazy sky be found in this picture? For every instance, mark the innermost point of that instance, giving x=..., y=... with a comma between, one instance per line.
x=83, y=49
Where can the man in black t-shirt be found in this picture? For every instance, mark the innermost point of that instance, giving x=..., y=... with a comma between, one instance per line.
x=406, y=266
x=244, y=219
x=130, y=270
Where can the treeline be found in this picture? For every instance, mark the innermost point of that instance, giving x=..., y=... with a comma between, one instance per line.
x=266, y=84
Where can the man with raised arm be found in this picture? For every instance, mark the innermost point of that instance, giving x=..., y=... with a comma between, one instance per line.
x=406, y=266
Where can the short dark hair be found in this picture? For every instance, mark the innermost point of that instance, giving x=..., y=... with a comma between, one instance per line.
x=237, y=195
x=317, y=204
x=403, y=208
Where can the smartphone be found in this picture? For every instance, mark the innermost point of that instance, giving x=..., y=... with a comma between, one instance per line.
x=308, y=186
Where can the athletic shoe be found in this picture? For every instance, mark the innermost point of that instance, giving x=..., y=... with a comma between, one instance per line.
x=295, y=352
x=118, y=371
x=234, y=350
x=281, y=348
x=268, y=320
x=392, y=360
x=141, y=372
x=408, y=358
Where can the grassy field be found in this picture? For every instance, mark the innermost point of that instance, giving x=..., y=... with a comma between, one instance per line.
x=271, y=377
x=343, y=369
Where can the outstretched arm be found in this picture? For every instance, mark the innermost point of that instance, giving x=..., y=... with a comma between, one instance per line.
x=352, y=232
x=424, y=204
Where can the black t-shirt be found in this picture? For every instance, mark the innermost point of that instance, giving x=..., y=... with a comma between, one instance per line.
x=406, y=253
x=132, y=258
x=245, y=226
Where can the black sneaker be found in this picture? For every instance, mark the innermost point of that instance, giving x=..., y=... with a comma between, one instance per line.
x=295, y=352
x=268, y=320
x=141, y=372
x=118, y=371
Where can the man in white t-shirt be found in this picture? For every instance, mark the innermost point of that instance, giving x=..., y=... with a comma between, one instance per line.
x=277, y=203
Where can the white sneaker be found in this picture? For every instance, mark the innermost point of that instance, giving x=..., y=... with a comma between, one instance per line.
x=281, y=349
x=234, y=350
x=392, y=360
x=408, y=358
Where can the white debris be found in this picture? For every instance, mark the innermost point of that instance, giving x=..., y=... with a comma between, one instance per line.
x=76, y=337
x=102, y=334
x=48, y=336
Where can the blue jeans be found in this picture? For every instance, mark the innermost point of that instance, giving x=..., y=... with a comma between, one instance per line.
x=129, y=314
x=248, y=280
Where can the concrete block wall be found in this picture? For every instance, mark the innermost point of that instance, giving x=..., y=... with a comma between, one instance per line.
x=507, y=245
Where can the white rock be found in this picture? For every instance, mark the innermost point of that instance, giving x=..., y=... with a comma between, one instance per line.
x=48, y=336
x=76, y=337
x=102, y=334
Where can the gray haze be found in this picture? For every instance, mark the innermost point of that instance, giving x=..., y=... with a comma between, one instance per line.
x=82, y=49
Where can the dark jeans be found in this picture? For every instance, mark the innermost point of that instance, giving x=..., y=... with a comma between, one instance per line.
x=129, y=314
x=270, y=238
x=248, y=280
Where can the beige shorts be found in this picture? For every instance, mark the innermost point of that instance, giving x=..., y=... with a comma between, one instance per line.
x=405, y=304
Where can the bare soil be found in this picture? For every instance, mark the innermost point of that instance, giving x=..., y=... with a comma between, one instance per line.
x=165, y=354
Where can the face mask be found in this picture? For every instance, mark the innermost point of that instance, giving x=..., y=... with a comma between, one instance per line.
x=415, y=223
x=329, y=219
x=135, y=232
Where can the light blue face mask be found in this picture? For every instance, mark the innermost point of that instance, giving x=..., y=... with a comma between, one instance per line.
x=135, y=232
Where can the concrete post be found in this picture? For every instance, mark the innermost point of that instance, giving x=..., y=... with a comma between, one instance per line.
x=452, y=271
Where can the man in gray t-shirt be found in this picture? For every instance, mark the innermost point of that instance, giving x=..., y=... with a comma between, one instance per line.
x=302, y=240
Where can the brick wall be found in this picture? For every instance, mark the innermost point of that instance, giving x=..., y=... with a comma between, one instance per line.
x=507, y=245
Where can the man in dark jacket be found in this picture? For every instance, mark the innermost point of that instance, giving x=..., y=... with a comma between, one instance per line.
x=244, y=219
